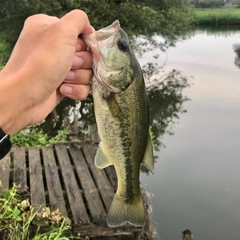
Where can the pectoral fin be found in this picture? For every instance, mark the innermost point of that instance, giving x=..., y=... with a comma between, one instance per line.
x=101, y=160
x=148, y=159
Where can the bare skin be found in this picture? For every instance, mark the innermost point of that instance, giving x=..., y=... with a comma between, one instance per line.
x=48, y=62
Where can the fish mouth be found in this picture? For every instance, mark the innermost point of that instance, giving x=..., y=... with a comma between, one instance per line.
x=102, y=38
x=108, y=31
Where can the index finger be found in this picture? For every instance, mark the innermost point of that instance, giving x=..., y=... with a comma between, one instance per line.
x=78, y=20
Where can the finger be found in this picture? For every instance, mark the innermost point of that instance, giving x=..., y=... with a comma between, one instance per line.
x=75, y=91
x=82, y=59
x=81, y=45
x=77, y=20
x=80, y=76
x=40, y=20
x=34, y=26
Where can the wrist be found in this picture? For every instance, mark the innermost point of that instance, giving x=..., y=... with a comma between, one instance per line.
x=12, y=103
x=5, y=144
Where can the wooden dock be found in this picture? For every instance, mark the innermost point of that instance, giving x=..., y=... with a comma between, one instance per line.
x=64, y=177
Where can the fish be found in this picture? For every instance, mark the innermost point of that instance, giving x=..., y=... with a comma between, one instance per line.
x=122, y=116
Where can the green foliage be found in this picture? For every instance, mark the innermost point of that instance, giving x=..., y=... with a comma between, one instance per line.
x=33, y=137
x=9, y=209
x=153, y=137
x=57, y=233
x=16, y=219
x=224, y=16
x=5, y=50
x=12, y=216
x=138, y=17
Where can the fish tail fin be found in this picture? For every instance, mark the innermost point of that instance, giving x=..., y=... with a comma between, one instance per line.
x=121, y=212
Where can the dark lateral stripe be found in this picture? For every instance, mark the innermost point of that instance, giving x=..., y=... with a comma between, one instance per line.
x=129, y=179
x=126, y=147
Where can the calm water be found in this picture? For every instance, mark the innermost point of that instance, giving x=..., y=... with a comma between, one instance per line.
x=197, y=175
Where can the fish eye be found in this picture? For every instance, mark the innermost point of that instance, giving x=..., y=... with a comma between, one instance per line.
x=122, y=45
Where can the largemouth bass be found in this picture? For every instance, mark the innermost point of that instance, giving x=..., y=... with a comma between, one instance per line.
x=121, y=111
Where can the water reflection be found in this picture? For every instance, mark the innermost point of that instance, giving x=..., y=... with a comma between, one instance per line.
x=236, y=48
x=70, y=114
x=218, y=31
x=166, y=103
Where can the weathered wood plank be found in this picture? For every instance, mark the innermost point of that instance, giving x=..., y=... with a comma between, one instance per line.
x=101, y=180
x=100, y=232
x=5, y=172
x=94, y=202
x=76, y=203
x=55, y=192
x=96, y=232
x=111, y=173
x=37, y=192
x=19, y=170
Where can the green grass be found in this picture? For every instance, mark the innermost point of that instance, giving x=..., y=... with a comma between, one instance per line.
x=16, y=216
x=31, y=136
x=217, y=16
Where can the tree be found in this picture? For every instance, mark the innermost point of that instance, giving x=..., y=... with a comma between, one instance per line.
x=166, y=17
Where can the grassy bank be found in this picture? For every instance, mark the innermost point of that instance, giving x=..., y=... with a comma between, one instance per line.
x=217, y=16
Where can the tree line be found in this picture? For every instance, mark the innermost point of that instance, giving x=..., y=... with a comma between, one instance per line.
x=214, y=3
x=165, y=17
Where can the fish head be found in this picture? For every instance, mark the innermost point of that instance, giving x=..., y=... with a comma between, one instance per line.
x=114, y=62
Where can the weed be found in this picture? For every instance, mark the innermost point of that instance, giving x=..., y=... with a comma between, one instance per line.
x=33, y=137
x=16, y=217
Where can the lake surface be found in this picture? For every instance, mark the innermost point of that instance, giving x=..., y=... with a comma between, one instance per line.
x=196, y=184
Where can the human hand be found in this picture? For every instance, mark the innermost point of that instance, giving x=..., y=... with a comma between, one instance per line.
x=48, y=62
